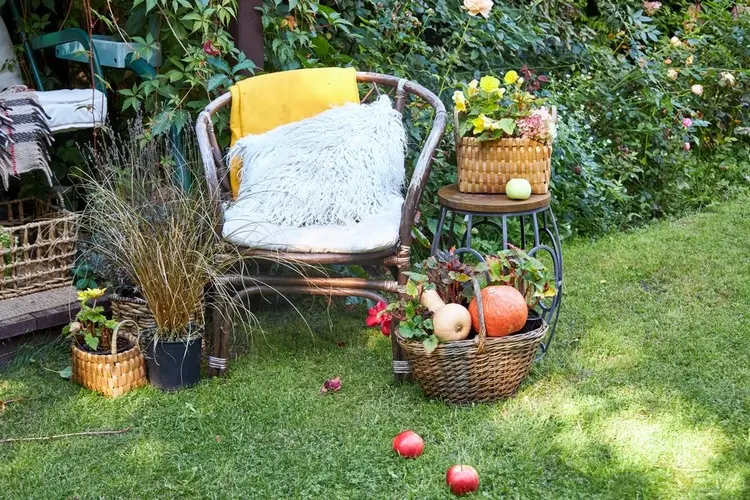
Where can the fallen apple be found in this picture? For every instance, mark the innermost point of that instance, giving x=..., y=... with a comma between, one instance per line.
x=518, y=189
x=408, y=444
x=462, y=479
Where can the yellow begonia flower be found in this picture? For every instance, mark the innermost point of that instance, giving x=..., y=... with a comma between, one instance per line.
x=91, y=293
x=482, y=123
x=489, y=83
x=459, y=100
x=473, y=88
x=510, y=77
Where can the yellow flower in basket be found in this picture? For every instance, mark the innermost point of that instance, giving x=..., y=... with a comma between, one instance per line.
x=489, y=84
x=91, y=294
x=482, y=123
x=459, y=99
x=511, y=77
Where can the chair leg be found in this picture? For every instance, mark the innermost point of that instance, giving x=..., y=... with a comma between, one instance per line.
x=218, y=360
x=401, y=369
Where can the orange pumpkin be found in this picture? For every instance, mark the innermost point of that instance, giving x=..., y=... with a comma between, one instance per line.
x=505, y=310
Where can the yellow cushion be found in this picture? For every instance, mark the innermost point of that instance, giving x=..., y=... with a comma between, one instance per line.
x=262, y=103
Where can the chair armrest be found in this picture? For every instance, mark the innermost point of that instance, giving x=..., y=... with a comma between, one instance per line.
x=67, y=35
x=213, y=165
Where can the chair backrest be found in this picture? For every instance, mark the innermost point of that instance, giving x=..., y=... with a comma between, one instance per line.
x=10, y=74
x=398, y=88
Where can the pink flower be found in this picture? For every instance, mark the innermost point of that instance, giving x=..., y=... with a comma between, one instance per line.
x=374, y=314
x=210, y=49
x=651, y=7
x=686, y=146
x=687, y=122
x=332, y=384
x=697, y=89
x=538, y=126
x=385, y=325
x=377, y=315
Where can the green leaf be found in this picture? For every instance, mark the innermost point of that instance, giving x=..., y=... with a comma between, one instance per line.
x=217, y=80
x=406, y=331
x=430, y=343
x=507, y=125
x=66, y=373
x=91, y=341
x=411, y=289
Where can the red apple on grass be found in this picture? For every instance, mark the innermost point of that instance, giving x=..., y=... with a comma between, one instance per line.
x=462, y=479
x=408, y=444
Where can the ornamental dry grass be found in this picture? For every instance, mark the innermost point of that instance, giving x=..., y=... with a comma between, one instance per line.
x=143, y=221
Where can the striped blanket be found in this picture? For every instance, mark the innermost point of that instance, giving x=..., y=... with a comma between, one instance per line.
x=24, y=135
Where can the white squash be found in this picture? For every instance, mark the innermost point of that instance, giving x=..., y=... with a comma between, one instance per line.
x=431, y=300
x=451, y=322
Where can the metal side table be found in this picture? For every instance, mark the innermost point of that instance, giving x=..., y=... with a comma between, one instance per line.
x=527, y=224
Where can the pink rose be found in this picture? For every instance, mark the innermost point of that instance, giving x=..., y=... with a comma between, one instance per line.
x=651, y=7
x=687, y=122
x=697, y=89
x=686, y=146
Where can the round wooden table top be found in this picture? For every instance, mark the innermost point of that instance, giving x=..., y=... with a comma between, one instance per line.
x=452, y=198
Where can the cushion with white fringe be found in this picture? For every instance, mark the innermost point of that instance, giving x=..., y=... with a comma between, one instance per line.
x=336, y=168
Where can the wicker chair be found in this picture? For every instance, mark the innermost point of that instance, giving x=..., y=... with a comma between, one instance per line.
x=395, y=259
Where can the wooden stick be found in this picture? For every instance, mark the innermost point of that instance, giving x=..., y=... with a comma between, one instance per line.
x=47, y=438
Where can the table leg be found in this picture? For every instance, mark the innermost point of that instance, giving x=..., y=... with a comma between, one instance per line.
x=438, y=231
x=467, y=236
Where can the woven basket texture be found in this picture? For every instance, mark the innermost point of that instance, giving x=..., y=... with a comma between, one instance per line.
x=461, y=372
x=111, y=374
x=136, y=309
x=37, y=246
x=487, y=166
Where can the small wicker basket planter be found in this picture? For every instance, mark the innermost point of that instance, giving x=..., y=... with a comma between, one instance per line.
x=487, y=166
x=111, y=374
x=37, y=246
x=482, y=369
x=134, y=309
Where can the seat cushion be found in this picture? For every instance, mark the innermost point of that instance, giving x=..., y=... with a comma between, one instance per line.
x=375, y=233
x=73, y=109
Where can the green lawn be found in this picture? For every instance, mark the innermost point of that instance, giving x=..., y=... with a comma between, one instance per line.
x=645, y=393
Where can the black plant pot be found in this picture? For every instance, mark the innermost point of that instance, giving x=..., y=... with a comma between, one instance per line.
x=174, y=365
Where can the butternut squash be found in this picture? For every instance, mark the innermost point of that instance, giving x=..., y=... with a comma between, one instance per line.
x=449, y=321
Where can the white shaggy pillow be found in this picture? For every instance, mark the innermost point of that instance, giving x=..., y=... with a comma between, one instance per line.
x=335, y=168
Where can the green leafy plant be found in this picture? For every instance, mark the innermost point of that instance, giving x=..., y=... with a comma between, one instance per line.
x=514, y=267
x=91, y=327
x=488, y=110
x=453, y=280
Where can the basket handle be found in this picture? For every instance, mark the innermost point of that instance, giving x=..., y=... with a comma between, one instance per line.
x=130, y=337
x=482, y=337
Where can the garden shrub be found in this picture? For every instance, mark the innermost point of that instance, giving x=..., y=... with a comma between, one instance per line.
x=652, y=96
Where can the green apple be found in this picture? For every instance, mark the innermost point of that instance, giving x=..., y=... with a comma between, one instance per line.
x=518, y=189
